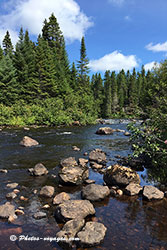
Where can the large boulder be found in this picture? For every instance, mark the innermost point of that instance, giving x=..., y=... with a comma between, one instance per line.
x=94, y=192
x=120, y=176
x=72, y=209
x=71, y=173
x=133, y=189
x=98, y=156
x=7, y=210
x=105, y=131
x=60, y=198
x=92, y=234
x=38, y=170
x=69, y=231
x=28, y=142
x=47, y=191
x=68, y=162
x=152, y=193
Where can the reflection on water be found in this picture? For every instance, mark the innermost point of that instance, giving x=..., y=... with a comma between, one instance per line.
x=131, y=222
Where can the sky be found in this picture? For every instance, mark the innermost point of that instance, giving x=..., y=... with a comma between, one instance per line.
x=119, y=34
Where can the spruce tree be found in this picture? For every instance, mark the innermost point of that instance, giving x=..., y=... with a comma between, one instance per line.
x=133, y=90
x=108, y=97
x=98, y=91
x=1, y=53
x=74, y=74
x=7, y=44
x=114, y=92
x=8, y=81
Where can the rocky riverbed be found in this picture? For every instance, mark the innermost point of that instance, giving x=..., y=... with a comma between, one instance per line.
x=53, y=190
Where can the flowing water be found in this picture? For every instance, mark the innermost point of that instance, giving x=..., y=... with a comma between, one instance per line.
x=131, y=222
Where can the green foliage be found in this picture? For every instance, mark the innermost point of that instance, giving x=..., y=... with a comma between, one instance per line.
x=7, y=44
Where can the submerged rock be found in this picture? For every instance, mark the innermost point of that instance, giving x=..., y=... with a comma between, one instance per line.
x=133, y=189
x=60, y=198
x=92, y=234
x=105, y=131
x=94, y=192
x=72, y=209
x=120, y=176
x=98, y=156
x=152, y=193
x=7, y=210
x=28, y=142
x=75, y=148
x=38, y=170
x=47, y=191
x=39, y=215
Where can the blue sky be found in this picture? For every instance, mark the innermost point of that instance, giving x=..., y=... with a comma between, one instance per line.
x=118, y=33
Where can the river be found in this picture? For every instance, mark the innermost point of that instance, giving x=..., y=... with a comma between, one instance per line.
x=131, y=222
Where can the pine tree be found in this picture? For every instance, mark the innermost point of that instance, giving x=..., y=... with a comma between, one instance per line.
x=7, y=44
x=8, y=81
x=132, y=89
x=98, y=91
x=73, y=77
x=122, y=89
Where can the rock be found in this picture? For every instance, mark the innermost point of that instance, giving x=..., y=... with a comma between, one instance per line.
x=94, y=192
x=152, y=193
x=119, y=192
x=35, y=191
x=70, y=229
x=75, y=148
x=38, y=170
x=127, y=134
x=133, y=189
x=76, y=123
x=73, y=175
x=72, y=209
x=165, y=194
x=135, y=163
x=11, y=195
x=12, y=218
x=113, y=192
x=92, y=234
x=46, y=206
x=120, y=130
x=16, y=191
x=47, y=191
x=19, y=212
x=39, y=215
x=7, y=210
x=12, y=185
x=27, y=129
x=22, y=198
x=120, y=176
x=3, y=171
x=98, y=156
x=105, y=131
x=85, y=154
x=28, y=142
x=82, y=162
x=68, y=162
x=60, y=198
x=96, y=165
x=88, y=181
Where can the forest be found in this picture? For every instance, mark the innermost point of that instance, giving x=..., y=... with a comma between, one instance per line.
x=38, y=84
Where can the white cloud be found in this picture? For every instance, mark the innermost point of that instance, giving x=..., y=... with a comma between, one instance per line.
x=30, y=15
x=114, y=61
x=151, y=65
x=159, y=47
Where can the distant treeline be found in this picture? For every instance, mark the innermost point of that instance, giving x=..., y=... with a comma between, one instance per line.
x=38, y=85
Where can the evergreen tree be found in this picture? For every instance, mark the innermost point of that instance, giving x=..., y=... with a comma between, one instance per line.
x=98, y=91
x=8, y=81
x=108, y=97
x=122, y=89
x=7, y=44
x=114, y=92
x=83, y=63
x=132, y=89
x=1, y=53
x=74, y=77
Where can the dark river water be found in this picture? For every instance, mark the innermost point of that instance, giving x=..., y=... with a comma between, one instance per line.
x=131, y=222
